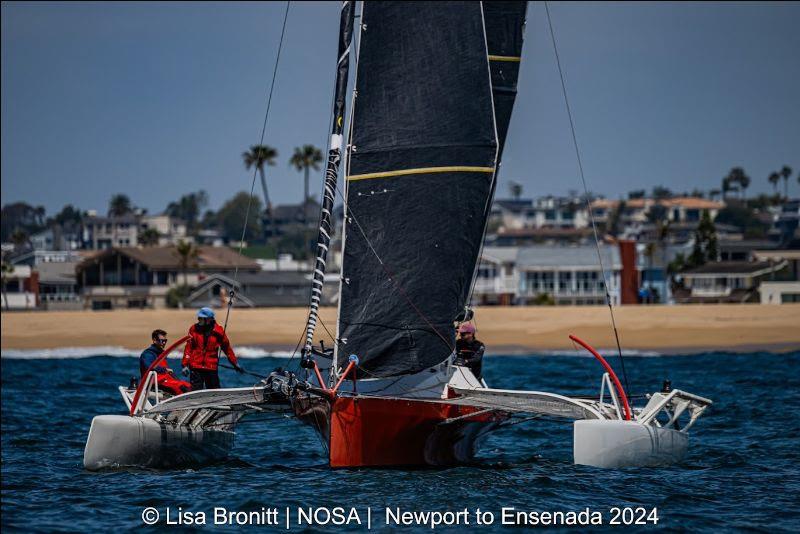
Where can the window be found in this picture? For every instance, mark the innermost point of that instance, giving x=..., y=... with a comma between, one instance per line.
x=565, y=282
x=101, y=305
x=589, y=281
x=540, y=282
x=487, y=272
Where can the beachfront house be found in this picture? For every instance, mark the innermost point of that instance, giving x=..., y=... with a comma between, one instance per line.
x=784, y=288
x=568, y=275
x=113, y=231
x=497, y=279
x=543, y=212
x=170, y=229
x=263, y=289
x=20, y=288
x=726, y=281
x=130, y=277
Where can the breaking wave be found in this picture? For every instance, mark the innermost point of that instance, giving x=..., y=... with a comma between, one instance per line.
x=70, y=353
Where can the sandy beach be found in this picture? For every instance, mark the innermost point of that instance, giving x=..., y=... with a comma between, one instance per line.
x=503, y=329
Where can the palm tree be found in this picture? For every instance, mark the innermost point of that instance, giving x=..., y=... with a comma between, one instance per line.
x=726, y=187
x=258, y=156
x=774, y=178
x=119, y=205
x=188, y=208
x=305, y=158
x=20, y=238
x=148, y=237
x=515, y=189
x=188, y=253
x=786, y=171
x=744, y=182
x=735, y=176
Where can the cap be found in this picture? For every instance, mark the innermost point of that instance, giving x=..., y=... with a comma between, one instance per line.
x=466, y=328
x=205, y=313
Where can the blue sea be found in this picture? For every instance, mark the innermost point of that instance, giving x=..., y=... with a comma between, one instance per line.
x=742, y=471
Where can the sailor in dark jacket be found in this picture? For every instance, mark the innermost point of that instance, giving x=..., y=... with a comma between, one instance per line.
x=167, y=380
x=469, y=351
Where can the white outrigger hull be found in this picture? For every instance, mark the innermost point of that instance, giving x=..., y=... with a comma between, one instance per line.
x=614, y=444
x=122, y=440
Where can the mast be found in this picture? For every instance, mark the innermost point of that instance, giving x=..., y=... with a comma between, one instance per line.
x=331, y=170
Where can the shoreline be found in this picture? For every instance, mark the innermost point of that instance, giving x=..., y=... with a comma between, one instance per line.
x=505, y=330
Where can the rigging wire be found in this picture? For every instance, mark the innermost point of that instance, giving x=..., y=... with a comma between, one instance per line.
x=586, y=193
x=232, y=294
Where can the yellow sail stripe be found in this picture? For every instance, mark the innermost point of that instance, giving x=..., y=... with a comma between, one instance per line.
x=423, y=170
x=515, y=59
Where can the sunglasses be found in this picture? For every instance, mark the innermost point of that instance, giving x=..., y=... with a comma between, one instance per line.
x=162, y=341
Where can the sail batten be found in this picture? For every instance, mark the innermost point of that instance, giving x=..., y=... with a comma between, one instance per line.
x=424, y=170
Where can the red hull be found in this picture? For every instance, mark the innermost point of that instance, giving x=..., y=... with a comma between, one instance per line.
x=371, y=431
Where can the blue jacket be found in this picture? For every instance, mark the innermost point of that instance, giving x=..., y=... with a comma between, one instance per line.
x=148, y=357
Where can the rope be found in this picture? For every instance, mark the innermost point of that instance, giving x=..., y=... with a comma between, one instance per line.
x=586, y=193
x=232, y=294
x=245, y=372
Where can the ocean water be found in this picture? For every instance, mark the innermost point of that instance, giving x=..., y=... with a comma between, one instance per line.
x=742, y=471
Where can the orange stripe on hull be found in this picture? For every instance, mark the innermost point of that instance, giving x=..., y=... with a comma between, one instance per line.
x=403, y=432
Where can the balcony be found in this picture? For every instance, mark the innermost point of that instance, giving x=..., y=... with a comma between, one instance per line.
x=496, y=286
x=706, y=292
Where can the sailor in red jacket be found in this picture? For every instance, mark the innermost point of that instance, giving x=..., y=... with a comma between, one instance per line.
x=201, y=354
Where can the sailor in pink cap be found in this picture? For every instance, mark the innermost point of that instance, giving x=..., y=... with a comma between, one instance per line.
x=469, y=351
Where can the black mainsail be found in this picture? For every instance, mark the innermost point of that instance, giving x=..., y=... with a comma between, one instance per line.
x=505, y=22
x=421, y=173
x=332, y=168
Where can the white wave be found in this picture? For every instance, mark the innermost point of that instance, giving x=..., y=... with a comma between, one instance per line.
x=606, y=353
x=67, y=353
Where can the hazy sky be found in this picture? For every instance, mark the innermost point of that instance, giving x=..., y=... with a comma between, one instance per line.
x=159, y=99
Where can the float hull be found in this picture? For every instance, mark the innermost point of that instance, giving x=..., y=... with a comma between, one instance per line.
x=121, y=440
x=614, y=444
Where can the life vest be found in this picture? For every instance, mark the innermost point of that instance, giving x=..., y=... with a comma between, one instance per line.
x=202, y=349
x=471, y=353
x=148, y=357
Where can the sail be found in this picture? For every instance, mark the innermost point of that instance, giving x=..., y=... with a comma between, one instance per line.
x=505, y=22
x=421, y=171
x=332, y=168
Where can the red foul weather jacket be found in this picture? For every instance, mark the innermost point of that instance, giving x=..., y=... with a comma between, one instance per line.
x=201, y=349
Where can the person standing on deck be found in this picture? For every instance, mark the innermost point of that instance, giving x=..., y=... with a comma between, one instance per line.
x=167, y=381
x=469, y=351
x=201, y=354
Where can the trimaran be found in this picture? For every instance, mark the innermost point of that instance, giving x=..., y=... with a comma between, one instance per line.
x=435, y=85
